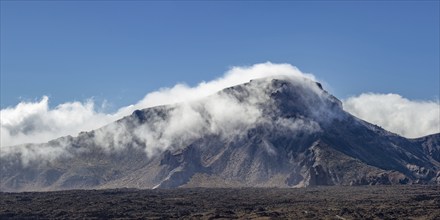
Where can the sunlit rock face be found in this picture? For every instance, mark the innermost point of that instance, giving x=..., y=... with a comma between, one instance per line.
x=269, y=132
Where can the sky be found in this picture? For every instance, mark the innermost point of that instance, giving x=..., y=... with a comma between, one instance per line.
x=113, y=53
x=118, y=51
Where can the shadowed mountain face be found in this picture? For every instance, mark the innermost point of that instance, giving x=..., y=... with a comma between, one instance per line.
x=269, y=132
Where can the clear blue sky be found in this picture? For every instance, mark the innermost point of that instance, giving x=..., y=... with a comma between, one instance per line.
x=119, y=51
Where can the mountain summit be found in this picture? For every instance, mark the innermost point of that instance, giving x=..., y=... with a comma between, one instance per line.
x=269, y=132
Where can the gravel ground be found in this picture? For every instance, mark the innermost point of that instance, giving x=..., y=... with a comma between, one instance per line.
x=366, y=202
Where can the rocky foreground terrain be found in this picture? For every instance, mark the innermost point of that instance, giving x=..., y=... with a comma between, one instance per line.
x=361, y=202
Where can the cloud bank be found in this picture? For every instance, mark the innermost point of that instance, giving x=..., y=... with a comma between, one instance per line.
x=228, y=115
x=405, y=117
x=36, y=122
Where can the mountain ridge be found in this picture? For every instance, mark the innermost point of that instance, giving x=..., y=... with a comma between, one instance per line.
x=270, y=132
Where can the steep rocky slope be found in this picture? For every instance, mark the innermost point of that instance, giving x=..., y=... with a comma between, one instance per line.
x=272, y=132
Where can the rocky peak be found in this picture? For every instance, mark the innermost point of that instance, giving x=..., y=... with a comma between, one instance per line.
x=270, y=132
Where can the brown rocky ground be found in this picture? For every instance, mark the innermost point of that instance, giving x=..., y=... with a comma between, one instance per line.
x=366, y=202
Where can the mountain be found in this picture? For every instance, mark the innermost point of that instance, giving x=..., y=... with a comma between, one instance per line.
x=270, y=132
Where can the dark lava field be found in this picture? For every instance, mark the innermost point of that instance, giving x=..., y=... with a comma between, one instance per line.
x=362, y=202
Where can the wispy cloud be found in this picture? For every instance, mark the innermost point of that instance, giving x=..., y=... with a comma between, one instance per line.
x=36, y=122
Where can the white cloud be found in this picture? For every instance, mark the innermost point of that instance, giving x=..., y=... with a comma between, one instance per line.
x=235, y=76
x=36, y=122
x=397, y=114
x=220, y=113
